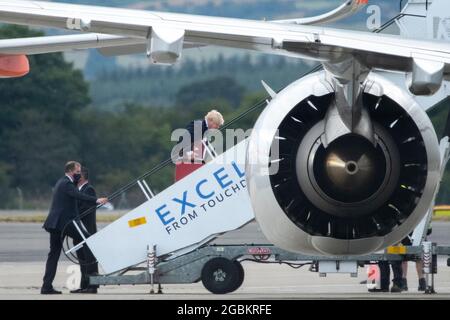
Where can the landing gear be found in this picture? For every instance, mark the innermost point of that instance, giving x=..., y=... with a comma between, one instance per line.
x=221, y=275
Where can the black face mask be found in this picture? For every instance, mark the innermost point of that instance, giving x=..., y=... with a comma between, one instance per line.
x=76, y=178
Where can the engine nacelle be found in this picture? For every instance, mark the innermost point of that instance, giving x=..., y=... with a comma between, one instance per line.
x=351, y=196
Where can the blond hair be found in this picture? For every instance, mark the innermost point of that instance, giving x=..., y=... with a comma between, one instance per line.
x=70, y=166
x=216, y=117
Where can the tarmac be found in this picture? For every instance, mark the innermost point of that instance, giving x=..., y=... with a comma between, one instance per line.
x=23, y=249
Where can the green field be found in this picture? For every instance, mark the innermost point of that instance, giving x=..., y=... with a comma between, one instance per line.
x=442, y=213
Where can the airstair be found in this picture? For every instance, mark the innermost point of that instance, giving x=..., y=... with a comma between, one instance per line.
x=189, y=213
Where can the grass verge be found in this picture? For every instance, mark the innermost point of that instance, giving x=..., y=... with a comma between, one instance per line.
x=41, y=219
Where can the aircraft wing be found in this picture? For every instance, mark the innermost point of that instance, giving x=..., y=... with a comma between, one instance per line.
x=167, y=33
x=107, y=44
x=37, y=45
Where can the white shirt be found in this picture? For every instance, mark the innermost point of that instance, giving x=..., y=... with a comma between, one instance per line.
x=79, y=188
x=70, y=178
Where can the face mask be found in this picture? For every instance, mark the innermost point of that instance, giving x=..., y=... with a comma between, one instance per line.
x=76, y=178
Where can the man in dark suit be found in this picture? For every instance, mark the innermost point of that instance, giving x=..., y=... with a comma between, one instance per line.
x=189, y=147
x=88, y=263
x=63, y=209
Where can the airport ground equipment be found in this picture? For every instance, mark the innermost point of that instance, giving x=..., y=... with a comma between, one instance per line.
x=219, y=267
x=210, y=201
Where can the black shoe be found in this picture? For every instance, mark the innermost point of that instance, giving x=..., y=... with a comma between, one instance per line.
x=404, y=286
x=422, y=284
x=50, y=291
x=88, y=290
x=378, y=290
x=395, y=288
x=76, y=291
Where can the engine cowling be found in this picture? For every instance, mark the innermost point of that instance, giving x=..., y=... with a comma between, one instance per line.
x=351, y=196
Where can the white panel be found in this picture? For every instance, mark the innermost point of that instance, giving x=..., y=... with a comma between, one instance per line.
x=438, y=21
x=338, y=267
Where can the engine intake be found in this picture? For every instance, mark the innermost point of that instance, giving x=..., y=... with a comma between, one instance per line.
x=351, y=196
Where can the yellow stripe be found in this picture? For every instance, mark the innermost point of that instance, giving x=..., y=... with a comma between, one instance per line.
x=137, y=222
x=396, y=250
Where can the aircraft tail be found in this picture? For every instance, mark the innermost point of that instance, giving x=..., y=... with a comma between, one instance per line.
x=347, y=8
x=426, y=19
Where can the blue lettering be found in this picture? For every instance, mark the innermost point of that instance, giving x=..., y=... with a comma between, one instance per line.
x=238, y=171
x=162, y=215
x=203, y=196
x=220, y=179
x=184, y=203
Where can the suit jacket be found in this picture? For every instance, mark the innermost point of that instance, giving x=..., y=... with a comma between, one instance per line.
x=191, y=128
x=90, y=220
x=188, y=142
x=64, y=204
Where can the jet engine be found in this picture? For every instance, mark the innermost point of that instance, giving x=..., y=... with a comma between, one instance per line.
x=349, y=196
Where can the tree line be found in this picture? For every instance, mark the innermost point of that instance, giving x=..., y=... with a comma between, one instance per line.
x=48, y=118
x=159, y=85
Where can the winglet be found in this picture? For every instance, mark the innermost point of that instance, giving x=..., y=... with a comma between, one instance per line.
x=349, y=7
x=269, y=90
x=13, y=66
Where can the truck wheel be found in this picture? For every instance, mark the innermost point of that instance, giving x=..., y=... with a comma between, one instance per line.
x=241, y=274
x=221, y=275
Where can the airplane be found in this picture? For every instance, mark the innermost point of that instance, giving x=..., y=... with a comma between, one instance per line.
x=359, y=161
